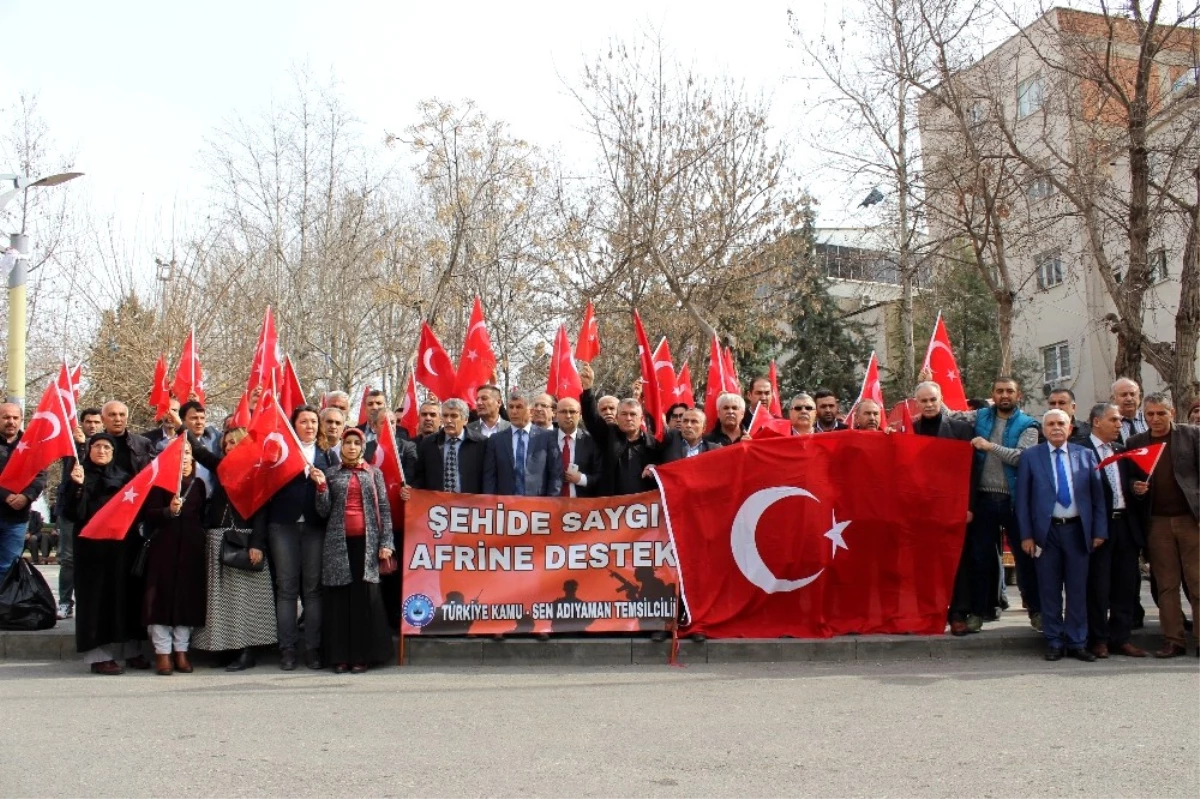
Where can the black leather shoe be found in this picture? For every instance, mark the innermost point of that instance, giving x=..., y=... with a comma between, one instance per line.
x=658, y=636
x=698, y=637
x=287, y=659
x=1054, y=653
x=313, y=661
x=1082, y=654
x=244, y=660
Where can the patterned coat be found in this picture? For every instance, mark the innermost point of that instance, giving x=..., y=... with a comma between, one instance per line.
x=331, y=504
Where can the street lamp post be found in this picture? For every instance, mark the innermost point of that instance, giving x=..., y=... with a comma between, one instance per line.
x=10, y=186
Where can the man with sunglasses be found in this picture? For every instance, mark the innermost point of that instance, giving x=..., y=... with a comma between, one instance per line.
x=800, y=414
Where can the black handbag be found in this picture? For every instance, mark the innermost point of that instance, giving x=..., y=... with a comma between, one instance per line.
x=235, y=548
x=139, y=563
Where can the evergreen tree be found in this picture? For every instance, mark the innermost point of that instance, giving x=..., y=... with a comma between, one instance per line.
x=120, y=363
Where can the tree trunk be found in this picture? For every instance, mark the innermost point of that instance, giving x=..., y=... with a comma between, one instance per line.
x=1004, y=315
x=1184, y=385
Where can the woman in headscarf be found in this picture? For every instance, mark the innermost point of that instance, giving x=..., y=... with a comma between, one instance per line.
x=241, y=604
x=176, y=586
x=357, y=537
x=109, y=598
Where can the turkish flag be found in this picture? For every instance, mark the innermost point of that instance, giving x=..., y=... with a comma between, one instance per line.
x=241, y=417
x=266, y=354
x=902, y=414
x=262, y=462
x=763, y=426
x=112, y=522
x=939, y=359
x=1145, y=458
x=732, y=384
x=651, y=401
x=291, y=395
x=363, y=415
x=683, y=387
x=664, y=371
x=189, y=376
x=69, y=392
x=564, y=375
x=872, y=389
x=76, y=376
x=776, y=404
x=434, y=368
x=387, y=460
x=477, y=362
x=794, y=536
x=587, y=346
x=160, y=391
x=46, y=439
x=715, y=384
x=410, y=410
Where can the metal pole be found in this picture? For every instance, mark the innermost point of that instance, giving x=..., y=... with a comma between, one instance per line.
x=17, y=320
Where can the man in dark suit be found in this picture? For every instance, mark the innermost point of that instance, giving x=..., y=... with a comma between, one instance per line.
x=1064, y=400
x=626, y=450
x=522, y=460
x=934, y=421
x=1170, y=512
x=454, y=447
x=689, y=441
x=1114, y=579
x=577, y=451
x=1060, y=515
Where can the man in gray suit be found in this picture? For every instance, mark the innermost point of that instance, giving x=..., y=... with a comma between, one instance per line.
x=1170, y=512
x=522, y=459
x=487, y=406
x=689, y=440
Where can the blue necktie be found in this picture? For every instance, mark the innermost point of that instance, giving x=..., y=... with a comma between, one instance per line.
x=519, y=462
x=1064, y=489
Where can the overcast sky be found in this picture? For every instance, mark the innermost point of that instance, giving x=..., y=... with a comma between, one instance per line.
x=133, y=88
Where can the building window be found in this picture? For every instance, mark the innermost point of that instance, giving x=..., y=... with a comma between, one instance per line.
x=976, y=114
x=1156, y=261
x=1049, y=269
x=1056, y=362
x=1031, y=94
x=1186, y=80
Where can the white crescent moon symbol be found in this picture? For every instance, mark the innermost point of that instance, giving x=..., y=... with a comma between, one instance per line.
x=936, y=345
x=664, y=365
x=283, y=448
x=1143, y=451
x=53, y=421
x=153, y=470
x=745, y=549
x=377, y=461
x=477, y=325
x=429, y=368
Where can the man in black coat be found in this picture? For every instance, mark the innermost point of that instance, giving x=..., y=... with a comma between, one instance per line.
x=131, y=452
x=689, y=440
x=625, y=450
x=1114, y=578
x=14, y=508
x=582, y=463
x=934, y=421
x=434, y=450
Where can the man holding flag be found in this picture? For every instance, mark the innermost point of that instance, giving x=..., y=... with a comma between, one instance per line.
x=1170, y=511
x=14, y=512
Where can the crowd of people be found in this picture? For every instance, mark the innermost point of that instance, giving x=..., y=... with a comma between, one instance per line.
x=319, y=580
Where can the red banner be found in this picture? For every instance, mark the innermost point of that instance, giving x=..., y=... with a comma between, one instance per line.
x=491, y=564
x=816, y=536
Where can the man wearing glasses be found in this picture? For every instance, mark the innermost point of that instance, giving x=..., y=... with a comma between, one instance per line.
x=675, y=416
x=800, y=414
x=580, y=457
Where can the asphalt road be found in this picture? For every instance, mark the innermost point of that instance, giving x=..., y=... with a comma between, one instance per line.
x=1000, y=727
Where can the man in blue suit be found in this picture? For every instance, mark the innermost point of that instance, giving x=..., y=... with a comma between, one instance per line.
x=522, y=459
x=1061, y=516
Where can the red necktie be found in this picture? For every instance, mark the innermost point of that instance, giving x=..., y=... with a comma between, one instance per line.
x=566, y=463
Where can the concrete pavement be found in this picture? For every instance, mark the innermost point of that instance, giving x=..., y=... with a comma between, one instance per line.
x=983, y=727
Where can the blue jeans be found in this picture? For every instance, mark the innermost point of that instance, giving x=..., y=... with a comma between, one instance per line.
x=12, y=543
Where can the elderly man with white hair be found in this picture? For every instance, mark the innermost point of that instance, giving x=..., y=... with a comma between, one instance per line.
x=730, y=410
x=1061, y=516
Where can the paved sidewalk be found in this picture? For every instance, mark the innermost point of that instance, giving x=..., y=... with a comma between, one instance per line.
x=1010, y=636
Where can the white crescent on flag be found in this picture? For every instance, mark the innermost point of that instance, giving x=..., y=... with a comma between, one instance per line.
x=52, y=420
x=425, y=360
x=284, y=450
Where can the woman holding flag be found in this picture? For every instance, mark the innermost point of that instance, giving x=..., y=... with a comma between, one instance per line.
x=176, y=594
x=358, y=536
x=241, y=603
x=109, y=598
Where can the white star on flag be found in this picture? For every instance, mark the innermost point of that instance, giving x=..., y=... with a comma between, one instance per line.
x=472, y=355
x=952, y=374
x=834, y=534
x=129, y=496
x=22, y=446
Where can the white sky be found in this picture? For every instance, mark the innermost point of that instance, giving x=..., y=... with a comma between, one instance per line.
x=134, y=87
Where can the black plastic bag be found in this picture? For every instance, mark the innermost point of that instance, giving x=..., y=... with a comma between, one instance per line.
x=26, y=602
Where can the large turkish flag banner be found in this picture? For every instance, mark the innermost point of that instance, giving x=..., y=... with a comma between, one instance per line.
x=816, y=536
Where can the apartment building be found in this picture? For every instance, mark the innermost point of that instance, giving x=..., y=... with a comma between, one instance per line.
x=1027, y=167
